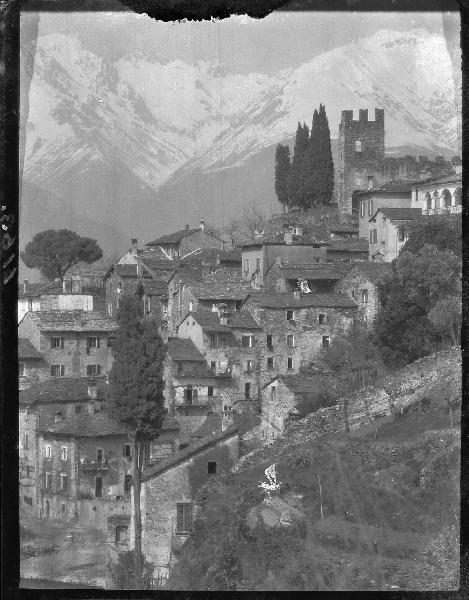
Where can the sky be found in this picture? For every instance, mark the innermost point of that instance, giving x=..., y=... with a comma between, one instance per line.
x=278, y=41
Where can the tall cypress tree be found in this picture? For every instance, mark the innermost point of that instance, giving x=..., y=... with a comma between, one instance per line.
x=295, y=180
x=282, y=172
x=327, y=164
x=308, y=164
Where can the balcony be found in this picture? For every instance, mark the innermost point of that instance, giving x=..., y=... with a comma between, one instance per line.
x=87, y=464
x=442, y=211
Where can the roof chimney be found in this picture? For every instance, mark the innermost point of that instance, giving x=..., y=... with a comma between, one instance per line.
x=25, y=286
x=134, y=244
x=202, y=224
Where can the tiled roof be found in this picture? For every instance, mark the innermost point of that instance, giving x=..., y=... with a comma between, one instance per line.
x=242, y=319
x=400, y=214
x=395, y=185
x=87, y=425
x=348, y=244
x=222, y=290
x=27, y=350
x=129, y=270
x=313, y=272
x=155, y=287
x=187, y=453
x=72, y=320
x=210, y=321
x=299, y=384
x=177, y=236
x=40, y=289
x=288, y=300
x=344, y=228
x=374, y=271
x=183, y=349
x=63, y=389
x=213, y=255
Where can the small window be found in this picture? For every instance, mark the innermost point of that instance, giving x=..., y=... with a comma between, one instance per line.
x=21, y=369
x=93, y=342
x=210, y=391
x=121, y=533
x=184, y=516
x=353, y=294
x=247, y=341
x=57, y=342
x=213, y=367
x=322, y=319
x=212, y=468
x=99, y=455
x=290, y=315
x=270, y=362
x=30, y=304
x=48, y=481
x=289, y=363
x=247, y=389
x=57, y=370
x=109, y=309
x=58, y=417
x=63, y=482
x=290, y=341
x=93, y=369
x=25, y=441
x=246, y=265
x=28, y=500
x=273, y=391
x=358, y=146
x=48, y=451
x=370, y=208
x=127, y=483
x=326, y=341
x=362, y=209
x=248, y=366
x=400, y=234
x=258, y=265
x=126, y=451
x=365, y=296
x=78, y=410
x=375, y=236
x=64, y=453
x=213, y=340
x=270, y=343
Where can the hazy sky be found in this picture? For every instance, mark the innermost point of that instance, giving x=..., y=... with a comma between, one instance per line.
x=265, y=45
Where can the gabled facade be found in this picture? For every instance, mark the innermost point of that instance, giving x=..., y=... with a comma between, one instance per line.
x=32, y=366
x=390, y=228
x=176, y=245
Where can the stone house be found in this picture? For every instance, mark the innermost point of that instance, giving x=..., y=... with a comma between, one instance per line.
x=180, y=243
x=438, y=195
x=73, y=343
x=58, y=295
x=126, y=278
x=32, y=366
x=360, y=284
x=169, y=490
x=230, y=344
x=296, y=326
x=390, y=228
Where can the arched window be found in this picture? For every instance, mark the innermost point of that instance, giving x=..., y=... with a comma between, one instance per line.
x=358, y=146
x=436, y=200
x=458, y=196
x=428, y=200
x=446, y=197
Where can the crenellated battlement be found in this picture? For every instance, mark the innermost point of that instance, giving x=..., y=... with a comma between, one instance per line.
x=347, y=117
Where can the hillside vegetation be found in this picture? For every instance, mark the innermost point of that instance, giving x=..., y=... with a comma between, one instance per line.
x=376, y=508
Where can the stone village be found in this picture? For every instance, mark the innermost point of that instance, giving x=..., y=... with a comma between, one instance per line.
x=239, y=324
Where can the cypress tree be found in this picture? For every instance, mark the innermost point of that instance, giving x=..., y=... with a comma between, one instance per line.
x=295, y=180
x=282, y=171
x=308, y=164
x=326, y=168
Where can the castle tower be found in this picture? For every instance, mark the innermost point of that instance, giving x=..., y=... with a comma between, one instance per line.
x=361, y=152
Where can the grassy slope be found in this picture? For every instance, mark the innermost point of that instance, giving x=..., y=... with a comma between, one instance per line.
x=388, y=492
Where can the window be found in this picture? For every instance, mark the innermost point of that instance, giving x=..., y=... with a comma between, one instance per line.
x=270, y=362
x=326, y=341
x=289, y=362
x=358, y=146
x=353, y=294
x=258, y=265
x=58, y=417
x=21, y=370
x=290, y=341
x=64, y=453
x=400, y=234
x=127, y=483
x=248, y=366
x=57, y=370
x=78, y=410
x=48, y=481
x=213, y=340
x=28, y=500
x=370, y=207
x=63, y=482
x=48, y=451
x=210, y=391
x=57, y=342
x=109, y=309
x=184, y=515
x=30, y=304
x=93, y=342
x=371, y=236
x=213, y=367
x=29, y=470
x=247, y=341
x=290, y=315
x=247, y=389
x=406, y=233
x=126, y=451
x=362, y=209
x=270, y=343
x=212, y=468
x=365, y=296
x=322, y=319
x=99, y=455
x=188, y=393
x=25, y=441
x=246, y=265
x=93, y=369
x=273, y=390
x=121, y=533
x=375, y=236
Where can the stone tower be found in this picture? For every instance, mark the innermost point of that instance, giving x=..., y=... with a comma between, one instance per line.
x=361, y=154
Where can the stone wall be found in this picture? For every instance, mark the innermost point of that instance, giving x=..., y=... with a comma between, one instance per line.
x=28, y=452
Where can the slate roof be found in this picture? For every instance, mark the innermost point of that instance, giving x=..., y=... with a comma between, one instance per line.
x=184, y=349
x=155, y=287
x=71, y=320
x=63, y=389
x=395, y=185
x=288, y=300
x=129, y=270
x=213, y=255
x=311, y=272
x=39, y=289
x=374, y=272
x=348, y=244
x=299, y=384
x=344, y=228
x=210, y=321
x=27, y=350
x=177, y=236
x=400, y=214
x=187, y=453
x=222, y=290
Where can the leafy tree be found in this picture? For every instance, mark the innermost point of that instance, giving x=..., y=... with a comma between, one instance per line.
x=295, y=179
x=136, y=394
x=403, y=330
x=282, y=170
x=442, y=231
x=123, y=574
x=53, y=252
x=446, y=316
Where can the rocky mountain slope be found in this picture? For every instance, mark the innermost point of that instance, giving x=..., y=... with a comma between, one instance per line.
x=141, y=145
x=373, y=509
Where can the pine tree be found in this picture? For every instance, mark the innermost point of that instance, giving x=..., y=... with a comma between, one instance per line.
x=282, y=171
x=295, y=179
x=136, y=395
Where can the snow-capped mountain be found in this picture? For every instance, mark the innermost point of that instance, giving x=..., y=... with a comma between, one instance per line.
x=138, y=145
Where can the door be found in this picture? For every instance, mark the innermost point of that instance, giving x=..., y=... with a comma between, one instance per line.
x=47, y=509
x=189, y=395
x=98, y=491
